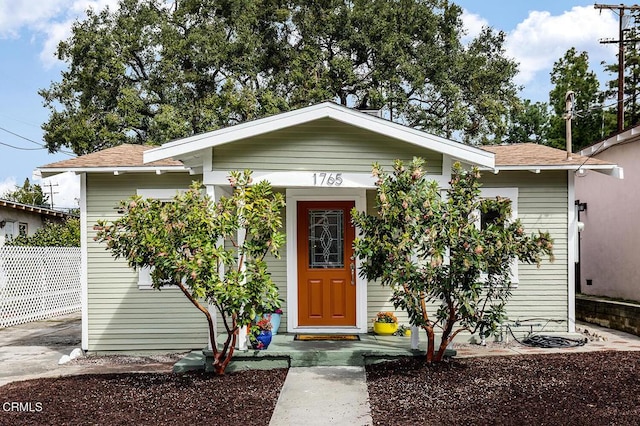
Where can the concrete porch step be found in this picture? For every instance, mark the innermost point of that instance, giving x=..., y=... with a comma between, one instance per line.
x=285, y=352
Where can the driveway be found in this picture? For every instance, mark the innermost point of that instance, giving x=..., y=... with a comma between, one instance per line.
x=34, y=349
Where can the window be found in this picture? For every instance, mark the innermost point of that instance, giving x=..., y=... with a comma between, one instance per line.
x=9, y=229
x=23, y=229
x=491, y=217
x=165, y=195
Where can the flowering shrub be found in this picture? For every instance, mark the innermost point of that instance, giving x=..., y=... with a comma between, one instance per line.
x=264, y=324
x=387, y=317
x=426, y=246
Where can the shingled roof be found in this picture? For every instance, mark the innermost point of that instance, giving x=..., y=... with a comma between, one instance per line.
x=517, y=155
x=534, y=155
x=125, y=155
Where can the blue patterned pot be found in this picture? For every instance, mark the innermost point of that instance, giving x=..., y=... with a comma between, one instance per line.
x=263, y=339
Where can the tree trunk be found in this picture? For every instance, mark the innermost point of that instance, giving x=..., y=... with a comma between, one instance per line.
x=430, y=343
x=220, y=358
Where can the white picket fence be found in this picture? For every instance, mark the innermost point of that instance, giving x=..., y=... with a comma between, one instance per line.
x=38, y=283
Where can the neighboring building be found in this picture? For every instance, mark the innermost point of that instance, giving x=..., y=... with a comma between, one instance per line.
x=24, y=219
x=320, y=158
x=610, y=212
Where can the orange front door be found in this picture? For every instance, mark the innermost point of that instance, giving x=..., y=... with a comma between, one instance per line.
x=326, y=272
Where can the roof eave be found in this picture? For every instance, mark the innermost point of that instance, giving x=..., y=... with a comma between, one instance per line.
x=623, y=137
x=34, y=209
x=47, y=172
x=608, y=169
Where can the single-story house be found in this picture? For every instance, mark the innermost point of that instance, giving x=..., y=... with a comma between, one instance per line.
x=609, y=211
x=25, y=219
x=320, y=158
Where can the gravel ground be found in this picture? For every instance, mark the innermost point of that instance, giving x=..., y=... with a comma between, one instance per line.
x=593, y=388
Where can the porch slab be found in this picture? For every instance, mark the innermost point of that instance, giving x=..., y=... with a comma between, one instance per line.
x=285, y=352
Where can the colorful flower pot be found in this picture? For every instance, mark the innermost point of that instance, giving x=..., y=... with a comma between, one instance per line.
x=262, y=340
x=385, y=328
x=275, y=322
x=274, y=319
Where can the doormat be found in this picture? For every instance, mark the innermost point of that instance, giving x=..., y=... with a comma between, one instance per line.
x=326, y=337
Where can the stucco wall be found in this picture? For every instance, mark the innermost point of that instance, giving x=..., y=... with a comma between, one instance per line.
x=609, y=254
x=33, y=220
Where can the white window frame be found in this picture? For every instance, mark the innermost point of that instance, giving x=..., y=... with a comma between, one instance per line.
x=511, y=194
x=144, y=274
x=9, y=228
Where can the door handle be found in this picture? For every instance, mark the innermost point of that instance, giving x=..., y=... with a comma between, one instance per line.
x=353, y=274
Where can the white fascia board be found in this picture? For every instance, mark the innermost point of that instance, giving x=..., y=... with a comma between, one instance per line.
x=346, y=115
x=542, y=168
x=141, y=169
x=610, y=170
x=623, y=137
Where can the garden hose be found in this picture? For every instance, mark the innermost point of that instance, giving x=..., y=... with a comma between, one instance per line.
x=545, y=341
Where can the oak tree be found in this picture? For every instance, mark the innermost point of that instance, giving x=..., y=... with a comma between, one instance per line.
x=152, y=71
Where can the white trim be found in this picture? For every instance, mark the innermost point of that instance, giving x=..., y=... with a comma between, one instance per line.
x=47, y=172
x=359, y=196
x=84, y=276
x=203, y=141
x=572, y=242
x=163, y=194
x=611, y=169
x=629, y=135
x=447, y=163
x=300, y=179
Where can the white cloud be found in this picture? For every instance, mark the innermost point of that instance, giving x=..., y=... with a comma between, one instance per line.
x=65, y=187
x=8, y=184
x=17, y=14
x=51, y=19
x=473, y=25
x=541, y=39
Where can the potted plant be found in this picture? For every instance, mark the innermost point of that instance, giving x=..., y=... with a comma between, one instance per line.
x=385, y=324
x=275, y=318
x=403, y=330
x=273, y=313
x=260, y=336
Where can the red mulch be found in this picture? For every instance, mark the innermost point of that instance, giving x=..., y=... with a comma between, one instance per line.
x=596, y=388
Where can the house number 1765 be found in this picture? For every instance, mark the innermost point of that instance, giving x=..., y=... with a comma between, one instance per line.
x=327, y=179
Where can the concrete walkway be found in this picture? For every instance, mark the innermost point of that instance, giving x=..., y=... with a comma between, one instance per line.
x=323, y=396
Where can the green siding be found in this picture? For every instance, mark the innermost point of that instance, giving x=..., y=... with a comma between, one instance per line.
x=542, y=293
x=325, y=145
x=122, y=317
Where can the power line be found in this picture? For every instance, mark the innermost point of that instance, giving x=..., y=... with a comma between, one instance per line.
x=21, y=148
x=41, y=145
x=22, y=137
x=621, y=41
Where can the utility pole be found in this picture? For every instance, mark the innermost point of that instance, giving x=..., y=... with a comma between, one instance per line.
x=569, y=100
x=51, y=192
x=621, y=9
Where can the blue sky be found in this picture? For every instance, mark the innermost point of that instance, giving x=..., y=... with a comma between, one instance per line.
x=538, y=33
